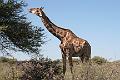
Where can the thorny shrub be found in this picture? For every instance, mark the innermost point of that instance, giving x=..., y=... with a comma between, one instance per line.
x=44, y=69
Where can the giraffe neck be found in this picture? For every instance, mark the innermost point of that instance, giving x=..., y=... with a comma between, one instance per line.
x=52, y=28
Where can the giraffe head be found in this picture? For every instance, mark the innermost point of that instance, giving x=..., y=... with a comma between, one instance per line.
x=37, y=11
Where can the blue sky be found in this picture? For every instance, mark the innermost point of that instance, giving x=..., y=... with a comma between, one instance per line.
x=97, y=21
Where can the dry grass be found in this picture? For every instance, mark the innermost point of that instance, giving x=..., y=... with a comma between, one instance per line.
x=93, y=71
x=9, y=71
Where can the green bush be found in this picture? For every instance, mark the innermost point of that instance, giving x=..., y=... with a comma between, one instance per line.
x=5, y=59
x=99, y=60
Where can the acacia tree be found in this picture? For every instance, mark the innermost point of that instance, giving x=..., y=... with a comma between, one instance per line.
x=16, y=33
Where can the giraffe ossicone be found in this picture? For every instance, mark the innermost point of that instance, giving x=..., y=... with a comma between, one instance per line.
x=71, y=45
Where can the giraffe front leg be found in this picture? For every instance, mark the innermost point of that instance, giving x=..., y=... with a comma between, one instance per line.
x=70, y=63
x=64, y=63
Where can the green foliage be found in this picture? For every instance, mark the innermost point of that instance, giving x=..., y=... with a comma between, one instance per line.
x=16, y=33
x=99, y=60
x=4, y=59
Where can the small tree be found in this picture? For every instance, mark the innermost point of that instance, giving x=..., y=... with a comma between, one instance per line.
x=16, y=33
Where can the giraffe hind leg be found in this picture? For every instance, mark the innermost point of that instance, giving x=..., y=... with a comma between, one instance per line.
x=82, y=57
x=70, y=63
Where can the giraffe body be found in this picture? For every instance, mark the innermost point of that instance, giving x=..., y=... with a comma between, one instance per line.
x=71, y=45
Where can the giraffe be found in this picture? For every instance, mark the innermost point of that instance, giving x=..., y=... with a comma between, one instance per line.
x=71, y=45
